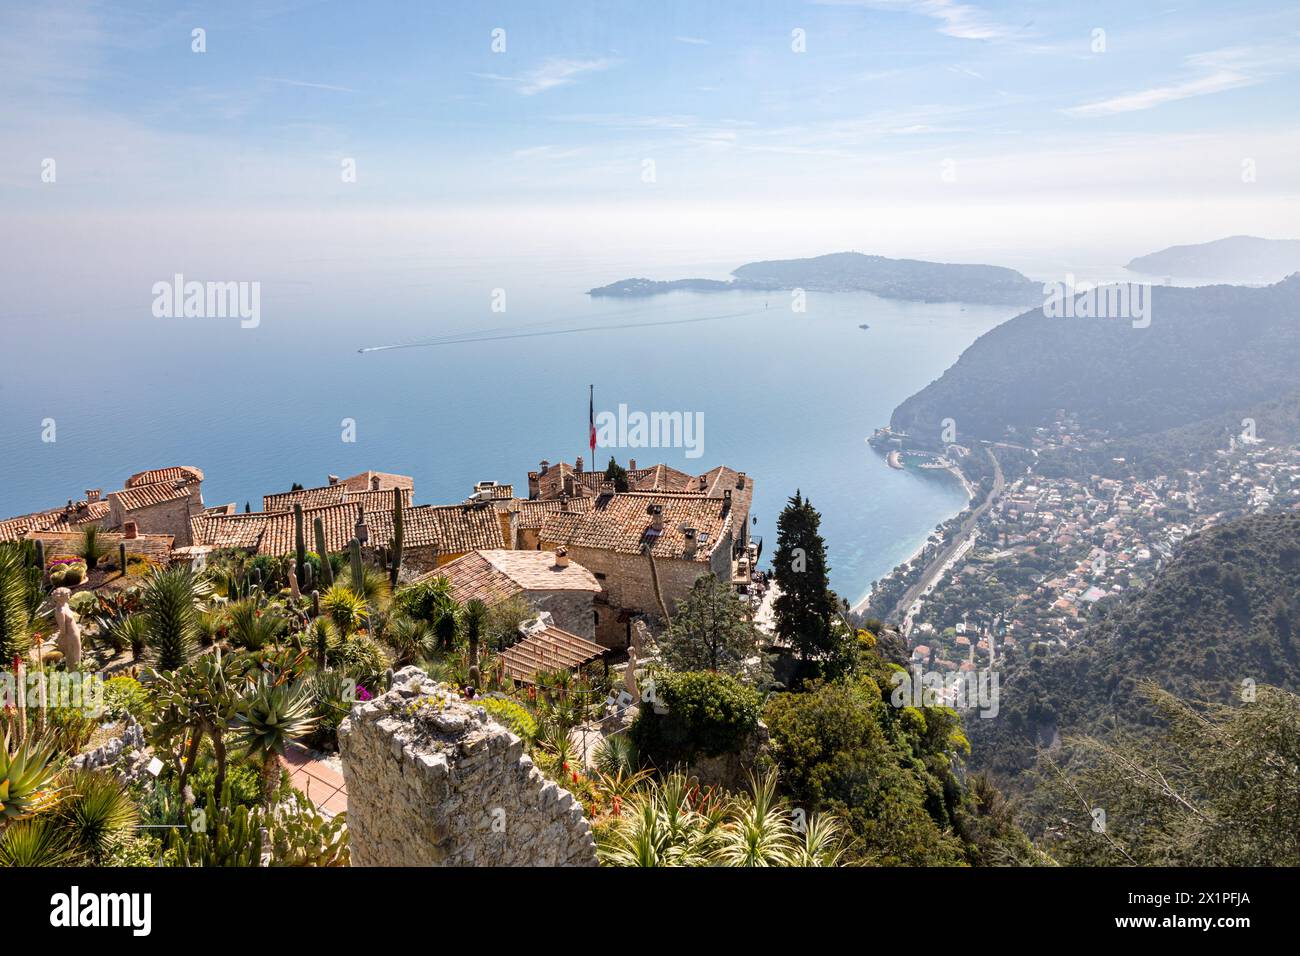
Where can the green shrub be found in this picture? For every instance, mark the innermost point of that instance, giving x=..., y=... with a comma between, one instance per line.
x=705, y=713
x=125, y=695
x=362, y=659
x=513, y=714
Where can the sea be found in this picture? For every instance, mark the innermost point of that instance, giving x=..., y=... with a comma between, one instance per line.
x=491, y=375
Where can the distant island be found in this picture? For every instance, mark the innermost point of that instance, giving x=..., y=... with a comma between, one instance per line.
x=1237, y=258
x=910, y=279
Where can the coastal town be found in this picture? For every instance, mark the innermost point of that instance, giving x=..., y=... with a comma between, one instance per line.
x=1046, y=549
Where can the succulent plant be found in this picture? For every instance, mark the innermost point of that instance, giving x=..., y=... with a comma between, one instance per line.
x=26, y=778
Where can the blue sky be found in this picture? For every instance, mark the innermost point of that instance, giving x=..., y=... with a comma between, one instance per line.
x=1011, y=94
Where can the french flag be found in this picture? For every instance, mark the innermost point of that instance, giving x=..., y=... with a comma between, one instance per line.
x=591, y=422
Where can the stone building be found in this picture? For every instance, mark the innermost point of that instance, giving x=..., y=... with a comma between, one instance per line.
x=548, y=581
x=631, y=542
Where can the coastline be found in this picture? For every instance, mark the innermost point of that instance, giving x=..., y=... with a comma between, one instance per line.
x=860, y=605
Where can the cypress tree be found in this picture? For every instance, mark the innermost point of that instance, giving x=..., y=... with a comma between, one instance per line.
x=805, y=609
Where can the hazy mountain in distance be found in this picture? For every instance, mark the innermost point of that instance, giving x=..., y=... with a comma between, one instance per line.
x=1206, y=351
x=1237, y=258
x=910, y=279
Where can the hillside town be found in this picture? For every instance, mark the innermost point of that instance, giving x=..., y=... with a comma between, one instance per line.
x=1049, y=549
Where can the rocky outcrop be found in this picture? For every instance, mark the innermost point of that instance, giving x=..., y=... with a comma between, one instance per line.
x=432, y=780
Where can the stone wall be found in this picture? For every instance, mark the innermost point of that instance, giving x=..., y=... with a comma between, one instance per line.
x=570, y=610
x=433, y=781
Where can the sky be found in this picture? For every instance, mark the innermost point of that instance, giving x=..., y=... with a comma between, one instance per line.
x=909, y=125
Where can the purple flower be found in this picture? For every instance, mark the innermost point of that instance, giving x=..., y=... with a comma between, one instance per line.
x=363, y=694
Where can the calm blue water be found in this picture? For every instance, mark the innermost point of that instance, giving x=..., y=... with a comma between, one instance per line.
x=789, y=398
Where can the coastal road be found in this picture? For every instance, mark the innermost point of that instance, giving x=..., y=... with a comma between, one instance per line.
x=932, y=573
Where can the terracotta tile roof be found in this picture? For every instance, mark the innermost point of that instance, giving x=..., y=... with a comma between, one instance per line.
x=548, y=649
x=621, y=523
x=495, y=492
x=495, y=575
x=375, y=500
x=307, y=497
x=67, y=518
x=339, y=521
x=449, y=529
x=663, y=478
x=178, y=473
x=146, y=496
x=228, y=531
x=387, y=481
x=156, y=546
x=84, y=513
x=532, y=513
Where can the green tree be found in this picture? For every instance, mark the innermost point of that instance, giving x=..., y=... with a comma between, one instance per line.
x=618, y=474
x=712, y=632
x=805, y=609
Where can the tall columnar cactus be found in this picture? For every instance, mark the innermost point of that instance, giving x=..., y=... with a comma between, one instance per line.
x=121, y=556
x=326, y=572
x=358, y=573
x=398, y=538
x=40, y=555
x=299, y=541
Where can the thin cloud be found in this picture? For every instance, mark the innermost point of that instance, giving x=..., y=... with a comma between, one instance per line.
x=313, y=86
x=1157, y=96
x=692, y=40
x=960, y=20
x=554, y=72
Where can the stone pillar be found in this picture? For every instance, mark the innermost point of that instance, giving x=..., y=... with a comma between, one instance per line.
x=432, y=780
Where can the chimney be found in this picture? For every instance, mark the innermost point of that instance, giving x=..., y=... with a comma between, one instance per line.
x=726, y=500
x=631, y=464
x=691, y=541
x=361, y=532
x=577, y=464
x=561, y=557
x=542, y=468
x=704, y=482
x=93, y=495
x=656, y=513
x=568, y=485
x=333, y=479
x=130, y=530
x=374, y=483
x=740, y=480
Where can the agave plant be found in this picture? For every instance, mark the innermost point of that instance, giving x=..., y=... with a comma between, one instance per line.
x=270, y=716
x=667, y=823
x=36, y=841
x=616, y=756
x=94, y=814
x=26, y=778
x=15, y=615
x=171, y=598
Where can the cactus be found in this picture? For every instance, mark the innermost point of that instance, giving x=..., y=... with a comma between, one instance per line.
x=299, y=542
x=398, y=538
x=40, y=555
x=315, y=604
x=309, y=575
x=358, y=575
x=326, y=572
x=121, y=556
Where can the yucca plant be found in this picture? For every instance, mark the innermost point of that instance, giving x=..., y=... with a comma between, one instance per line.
x=15, y=619
x=475, y=620
x=92, y=546
x=37, y=841
x=254, y=624
x=95, y=812
x=270, y=717
x=616, y=756
x=345, y=608
x=410, y=639
x=667, y=823
x=322, y=639
x=170, y=598
x=26, y=778
x=760, y=831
